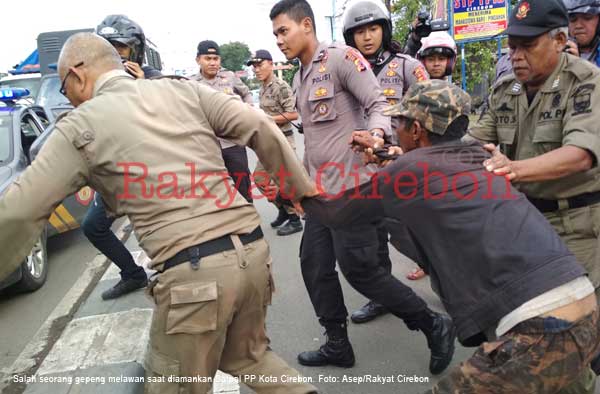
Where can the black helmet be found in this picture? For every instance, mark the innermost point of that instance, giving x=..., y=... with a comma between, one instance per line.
x=365, y=12
x=583, y=6
x=119, y=28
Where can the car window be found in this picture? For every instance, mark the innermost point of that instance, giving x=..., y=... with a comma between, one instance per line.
x=32, y=84
x=5, y=139
x=49, y=94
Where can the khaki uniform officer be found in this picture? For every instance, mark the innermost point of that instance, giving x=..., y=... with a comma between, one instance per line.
x=150, y=149
x=544, y=116
x=278, y=101
x=211, y=74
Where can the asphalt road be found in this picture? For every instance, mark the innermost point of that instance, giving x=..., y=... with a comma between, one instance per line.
x=23, y=314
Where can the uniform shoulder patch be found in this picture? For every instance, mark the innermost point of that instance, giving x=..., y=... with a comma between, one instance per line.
x=358, y=59
x=420, y=73
x=582, y=99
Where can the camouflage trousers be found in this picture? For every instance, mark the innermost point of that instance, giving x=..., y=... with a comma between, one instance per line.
x=540, y=355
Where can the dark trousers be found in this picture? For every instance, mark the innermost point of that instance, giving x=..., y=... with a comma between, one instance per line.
x=236, y=161
x=96, y=227
x=358, y=251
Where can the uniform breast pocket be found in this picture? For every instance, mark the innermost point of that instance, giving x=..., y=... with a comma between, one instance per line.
x=548, y=136
x=322, y=103
x=268, y=104
x=193, y=308
x=506, y=135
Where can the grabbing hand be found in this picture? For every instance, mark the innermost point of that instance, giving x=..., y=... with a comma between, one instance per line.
x=363, y=139
x=134, y=69
x=572, y=48
x=499, y=164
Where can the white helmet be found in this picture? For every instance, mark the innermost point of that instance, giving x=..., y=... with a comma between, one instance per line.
x=439, y=42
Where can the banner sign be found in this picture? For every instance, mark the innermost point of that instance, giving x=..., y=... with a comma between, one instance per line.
x=477, y=19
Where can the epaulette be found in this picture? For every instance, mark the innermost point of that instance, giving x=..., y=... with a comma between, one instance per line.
x=580, y=68
x=505, y=80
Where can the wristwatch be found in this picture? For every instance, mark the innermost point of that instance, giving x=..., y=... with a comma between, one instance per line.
x=377, y=133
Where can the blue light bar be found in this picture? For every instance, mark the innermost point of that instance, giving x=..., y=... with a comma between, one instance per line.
x=10, y=94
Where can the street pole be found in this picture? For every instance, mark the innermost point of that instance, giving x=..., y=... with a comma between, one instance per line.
x=463, y=68
x=333, y=9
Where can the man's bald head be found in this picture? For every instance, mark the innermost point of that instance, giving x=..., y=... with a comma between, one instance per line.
x=97, y=54
x=83, y=59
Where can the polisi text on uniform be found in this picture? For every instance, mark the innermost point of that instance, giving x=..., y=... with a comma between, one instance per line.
x=321, y=78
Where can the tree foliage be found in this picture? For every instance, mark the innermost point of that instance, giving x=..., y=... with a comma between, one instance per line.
x=288, y=75
x=404, y=12
x=234, y=55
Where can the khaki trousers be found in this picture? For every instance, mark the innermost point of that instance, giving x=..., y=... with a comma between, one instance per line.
x=214, y=318
x=264, y=180
x=580, y=230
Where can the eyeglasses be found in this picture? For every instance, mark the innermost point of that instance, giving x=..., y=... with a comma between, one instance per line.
x=62, y=90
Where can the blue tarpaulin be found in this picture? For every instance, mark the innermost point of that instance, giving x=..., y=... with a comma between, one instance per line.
x=29, y=65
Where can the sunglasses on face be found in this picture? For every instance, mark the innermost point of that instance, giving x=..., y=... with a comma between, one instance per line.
x=62, y=90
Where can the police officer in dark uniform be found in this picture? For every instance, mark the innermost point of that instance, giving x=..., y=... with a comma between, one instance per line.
x=334, y=88
x=211, y=74
x=368, y=28
x=129, y=40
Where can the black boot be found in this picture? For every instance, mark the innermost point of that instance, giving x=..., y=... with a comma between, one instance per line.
x=440, y=333
x=368, y=312
x=282, y=217
x=336, y=351
x=294, y=225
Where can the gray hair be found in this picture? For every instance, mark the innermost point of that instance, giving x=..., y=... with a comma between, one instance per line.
x=556, y=31
x=95, y=52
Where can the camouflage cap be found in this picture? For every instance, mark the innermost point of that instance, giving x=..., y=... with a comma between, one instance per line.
x=434, y=103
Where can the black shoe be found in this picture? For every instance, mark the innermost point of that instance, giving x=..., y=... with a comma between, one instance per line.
x=336, y=351
x=124, y=287
x=440, y=340
x=368, y=312
x=282, y=217
x=294, y=225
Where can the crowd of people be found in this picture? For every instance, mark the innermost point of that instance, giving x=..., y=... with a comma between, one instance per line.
x=508, y=228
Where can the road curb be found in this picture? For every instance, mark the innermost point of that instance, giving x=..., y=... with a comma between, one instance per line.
x=36, y=351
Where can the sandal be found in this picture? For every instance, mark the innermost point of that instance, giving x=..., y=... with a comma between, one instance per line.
x=416, y=274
